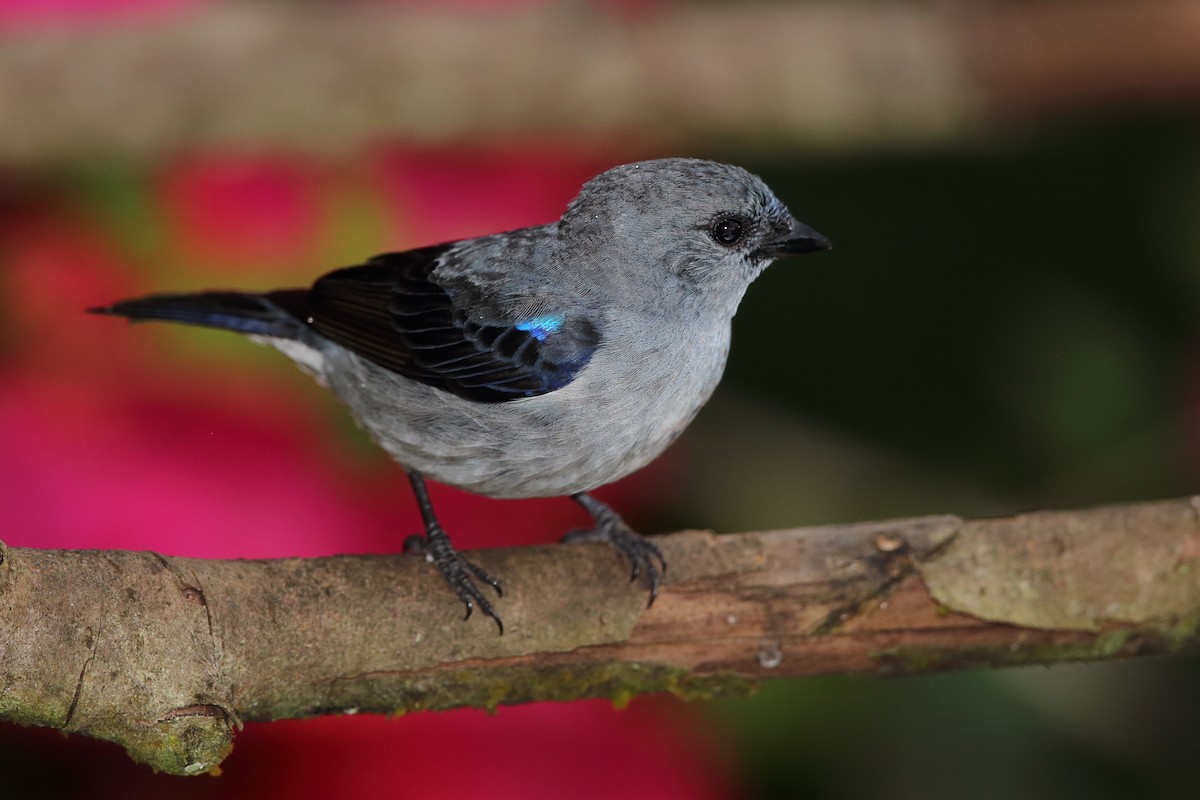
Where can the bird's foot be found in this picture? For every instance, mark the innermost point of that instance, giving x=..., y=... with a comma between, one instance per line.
x=644, y=556
x=458, y=572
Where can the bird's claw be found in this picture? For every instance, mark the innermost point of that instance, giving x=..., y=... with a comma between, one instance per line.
x=641, y=552
x=460, y=573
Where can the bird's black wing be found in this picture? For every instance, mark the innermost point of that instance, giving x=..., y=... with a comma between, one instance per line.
x=391, y=311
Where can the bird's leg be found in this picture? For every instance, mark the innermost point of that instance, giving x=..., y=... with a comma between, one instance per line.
x=458, y=571
x=641, y=552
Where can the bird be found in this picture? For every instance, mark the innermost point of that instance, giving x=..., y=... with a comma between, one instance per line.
x=544, y=361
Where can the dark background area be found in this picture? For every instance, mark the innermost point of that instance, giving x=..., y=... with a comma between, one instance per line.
x=996, y=330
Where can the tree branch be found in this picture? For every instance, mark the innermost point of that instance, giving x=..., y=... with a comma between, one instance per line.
x=167, y=655
x=315, y=77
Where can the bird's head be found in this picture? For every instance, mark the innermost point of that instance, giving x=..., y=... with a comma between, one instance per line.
x=713, y=226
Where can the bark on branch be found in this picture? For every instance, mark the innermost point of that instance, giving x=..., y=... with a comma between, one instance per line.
x=167, y=656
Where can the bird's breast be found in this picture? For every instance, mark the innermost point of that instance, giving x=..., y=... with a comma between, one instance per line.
x=636, y=395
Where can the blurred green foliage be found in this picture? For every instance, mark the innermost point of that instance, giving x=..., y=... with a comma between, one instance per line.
x=1016, y=314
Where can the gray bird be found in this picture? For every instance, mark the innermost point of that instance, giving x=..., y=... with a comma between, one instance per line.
x=539, y=362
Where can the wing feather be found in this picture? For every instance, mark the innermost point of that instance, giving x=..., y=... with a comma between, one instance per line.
x=393, y=312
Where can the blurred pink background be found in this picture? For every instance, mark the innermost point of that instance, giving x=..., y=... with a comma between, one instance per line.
x=195, y=444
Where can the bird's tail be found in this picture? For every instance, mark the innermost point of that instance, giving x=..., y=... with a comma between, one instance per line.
x=273, y=314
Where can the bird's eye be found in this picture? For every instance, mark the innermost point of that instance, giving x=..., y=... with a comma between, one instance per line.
x=728, y=230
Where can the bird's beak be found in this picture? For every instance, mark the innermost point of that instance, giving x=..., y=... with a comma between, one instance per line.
x=799, y=239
